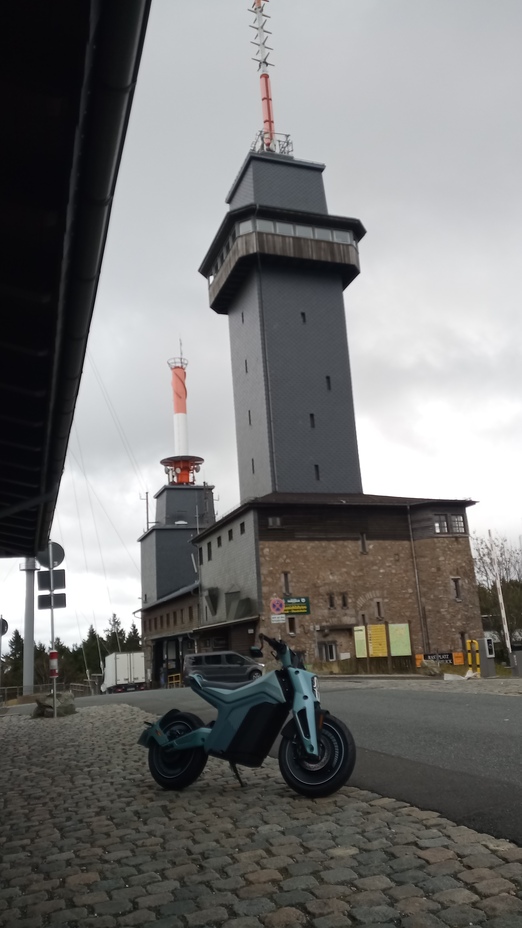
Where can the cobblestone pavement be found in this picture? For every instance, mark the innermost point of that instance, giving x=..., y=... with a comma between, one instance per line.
x=88, y=839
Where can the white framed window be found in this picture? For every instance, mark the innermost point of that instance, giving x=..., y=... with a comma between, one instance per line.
x=323, y=235
x=304, y=231
x=458, y=525
x=441, y=523
x=244, y=227
x=265, y=225
x=345, y=238
x=285, y=228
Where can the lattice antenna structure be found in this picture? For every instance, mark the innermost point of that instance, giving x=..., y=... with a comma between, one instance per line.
x=261, y=57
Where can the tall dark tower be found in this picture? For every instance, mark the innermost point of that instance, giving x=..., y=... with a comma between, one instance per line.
x=278, y=267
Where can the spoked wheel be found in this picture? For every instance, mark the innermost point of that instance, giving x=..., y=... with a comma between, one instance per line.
x=330, y=771
x=177, y=769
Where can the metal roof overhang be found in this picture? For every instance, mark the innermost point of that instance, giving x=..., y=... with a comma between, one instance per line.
x=67, y=76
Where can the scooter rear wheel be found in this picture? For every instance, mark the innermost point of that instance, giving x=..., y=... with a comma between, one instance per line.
x=330, y=771
x=177, y=769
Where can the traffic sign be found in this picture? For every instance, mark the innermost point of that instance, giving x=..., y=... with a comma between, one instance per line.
x=44, y=579
x=58, y=555
x=58, y=601
x=277, y=606
x=3, y=627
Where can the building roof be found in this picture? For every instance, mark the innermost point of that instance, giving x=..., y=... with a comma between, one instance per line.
x=67, y=76
x=359, y=500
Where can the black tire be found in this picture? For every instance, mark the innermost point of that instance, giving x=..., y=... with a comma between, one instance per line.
x=254, y=675
x=330, y=772
x=176, y=769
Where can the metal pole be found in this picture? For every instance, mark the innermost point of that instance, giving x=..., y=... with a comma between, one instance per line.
x=51, y=587
x=1, y=636
x=512, y=658
x=28, y=666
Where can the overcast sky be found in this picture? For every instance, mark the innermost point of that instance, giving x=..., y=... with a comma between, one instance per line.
x=414, y=107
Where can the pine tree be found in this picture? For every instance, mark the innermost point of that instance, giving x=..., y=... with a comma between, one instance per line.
x=114, y=635
x=133, y=640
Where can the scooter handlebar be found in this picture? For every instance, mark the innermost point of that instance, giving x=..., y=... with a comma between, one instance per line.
x=278, y=646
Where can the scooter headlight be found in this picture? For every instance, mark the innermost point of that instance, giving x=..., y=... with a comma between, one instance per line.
x=315, y=687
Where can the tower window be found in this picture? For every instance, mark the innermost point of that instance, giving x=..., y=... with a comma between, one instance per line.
x=328, y=382
x=363, y=547
x=242, y=318
x=291, y=625
x=344, y=600
x=249, y=417
x=191, y=613
x=316, y=471
x=312, y=421
x=265, y=225
x=253, y=466
x=286, y=582
x=218, y=541
x=457, y=524
x=331, y=601
x=241, y=528
x=456, y=588
x=246, y=366
x=209, y=551
x=303, y=318
x=441, y=524
x=230, y=534
x=200, y=551
x=378, y=609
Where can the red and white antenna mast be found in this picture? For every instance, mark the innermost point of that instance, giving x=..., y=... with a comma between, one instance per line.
x=181, y=467
x=267, y=139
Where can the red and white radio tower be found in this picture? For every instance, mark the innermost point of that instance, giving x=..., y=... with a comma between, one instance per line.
x=181, y=467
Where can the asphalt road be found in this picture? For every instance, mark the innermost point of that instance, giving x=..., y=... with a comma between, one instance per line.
x=439, y=748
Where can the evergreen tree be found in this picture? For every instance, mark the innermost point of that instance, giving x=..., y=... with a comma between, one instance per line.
x=92, y=655
x=114, y=635
x=133, y=640
x=14, y=661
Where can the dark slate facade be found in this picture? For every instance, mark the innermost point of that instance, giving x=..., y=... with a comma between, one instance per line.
x=283, y=293
x=168, y=562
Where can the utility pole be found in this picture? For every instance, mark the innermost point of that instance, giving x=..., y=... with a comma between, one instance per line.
x=29, y=567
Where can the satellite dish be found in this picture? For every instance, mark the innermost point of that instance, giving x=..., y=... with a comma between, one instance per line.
x=57, y=556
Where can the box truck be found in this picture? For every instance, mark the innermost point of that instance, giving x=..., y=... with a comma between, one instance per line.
x=123, y=672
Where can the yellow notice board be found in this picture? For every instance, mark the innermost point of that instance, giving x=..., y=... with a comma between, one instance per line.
x=377, y=641
x=359, y=637
x=400, y=644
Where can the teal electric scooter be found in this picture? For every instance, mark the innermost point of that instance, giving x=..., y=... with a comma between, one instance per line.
x=317, y=751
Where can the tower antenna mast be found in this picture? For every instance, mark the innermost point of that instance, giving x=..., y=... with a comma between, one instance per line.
x=267, y=139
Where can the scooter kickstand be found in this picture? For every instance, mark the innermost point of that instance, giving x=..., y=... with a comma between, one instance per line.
x=235, y=771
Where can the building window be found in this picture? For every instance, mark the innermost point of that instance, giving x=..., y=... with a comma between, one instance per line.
x=284, y=228
x=242, y=318
x=246, y=366
x=249, y=417
x=265, y=225
x=328, y=652
x=286, y=582
x=291, y=625
x=241, y=528
x=191, y=613
x=174, y=618
x=363, y=618
x=274, y=521
x=363, y=547
x=441, y=524
x=328, y=382
x=181, y=616
x=457, y=525
x=200, y=555
x=230, y=534
x=253, y=466
x=331, y=601
x=455, y=581
x=167, y=619
x=344, y=600
x=378, y=609
x=344, y=237
x=312, y=421
x=303, y=318
x=323, y=235
x=209, y=550
x=155, y=623
x=246, y=226
x=218, y=541
x=316, y=472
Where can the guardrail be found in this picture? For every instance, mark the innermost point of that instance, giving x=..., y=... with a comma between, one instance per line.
x=10, y=694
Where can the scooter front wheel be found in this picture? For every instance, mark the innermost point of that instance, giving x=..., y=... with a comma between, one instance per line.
x=326, y=774
x=177, y=769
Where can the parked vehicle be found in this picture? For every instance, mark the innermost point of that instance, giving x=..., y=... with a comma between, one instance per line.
x=317, y=751
x=221, y=667
x=123, y=672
